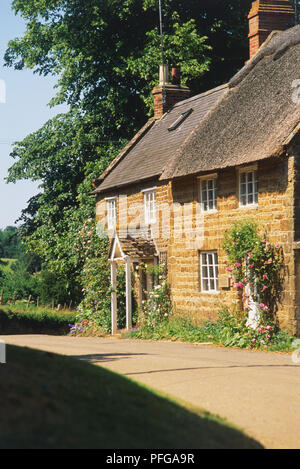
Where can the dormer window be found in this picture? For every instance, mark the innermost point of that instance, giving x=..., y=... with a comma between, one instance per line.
x=179, y=120
x=111, y=210
x=150, y=205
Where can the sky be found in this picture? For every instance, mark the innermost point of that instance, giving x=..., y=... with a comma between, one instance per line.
x=23, y=109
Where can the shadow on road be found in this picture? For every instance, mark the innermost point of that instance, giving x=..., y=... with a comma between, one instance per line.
x=104, y=357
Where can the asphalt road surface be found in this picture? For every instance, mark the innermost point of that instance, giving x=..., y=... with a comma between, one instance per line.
x=257, y=391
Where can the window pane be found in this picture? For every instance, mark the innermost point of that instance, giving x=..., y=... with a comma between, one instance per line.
x=209, y=271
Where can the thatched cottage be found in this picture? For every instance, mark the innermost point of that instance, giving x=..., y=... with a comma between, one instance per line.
x=204, y=162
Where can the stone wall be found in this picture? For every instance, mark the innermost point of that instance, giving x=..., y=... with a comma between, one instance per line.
x=183, y=231
x=274, y=215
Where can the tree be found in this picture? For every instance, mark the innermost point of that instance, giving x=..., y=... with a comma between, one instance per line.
x=10, y=243
x=113, y=66
x=106, y=75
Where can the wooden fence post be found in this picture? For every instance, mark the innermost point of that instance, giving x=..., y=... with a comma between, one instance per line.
x=1, y=298
x=29, y=299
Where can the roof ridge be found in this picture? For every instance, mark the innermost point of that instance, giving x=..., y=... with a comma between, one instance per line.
x=170, y=164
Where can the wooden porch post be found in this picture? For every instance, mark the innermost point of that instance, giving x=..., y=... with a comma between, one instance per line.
x=140, y=286
x=113, y=273
x=128, y=294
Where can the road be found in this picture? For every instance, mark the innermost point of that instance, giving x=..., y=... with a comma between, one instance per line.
x=257, y=391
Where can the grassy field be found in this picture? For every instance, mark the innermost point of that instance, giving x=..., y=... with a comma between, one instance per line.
x=51, y=401
x=21, y=306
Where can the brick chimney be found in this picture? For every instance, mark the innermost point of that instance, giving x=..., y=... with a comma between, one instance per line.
x=167, y=94
x=266, y=16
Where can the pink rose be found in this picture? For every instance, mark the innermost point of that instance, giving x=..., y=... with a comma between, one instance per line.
x=265, y=276
x=264, y=287
x=261, y=305
x=251, y=266
x=237, y=264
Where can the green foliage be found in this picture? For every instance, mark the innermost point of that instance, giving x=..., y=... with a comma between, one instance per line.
x=10, y=243
x=157, y=307
x=32, y=323
x=19, y=283
x=228, y=330
x=257, y=263
x=54, y=288
x=110, y=77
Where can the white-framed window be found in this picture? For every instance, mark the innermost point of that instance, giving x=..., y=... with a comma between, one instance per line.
x=208, y=193
x=150, y=205
x=209, y=271
x=248, y=187
x=111, y=210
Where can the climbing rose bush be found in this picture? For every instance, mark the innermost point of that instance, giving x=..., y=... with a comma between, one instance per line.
x=257, y=264
x=158, y=306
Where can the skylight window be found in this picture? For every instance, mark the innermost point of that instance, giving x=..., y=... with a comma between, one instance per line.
x=179, y=120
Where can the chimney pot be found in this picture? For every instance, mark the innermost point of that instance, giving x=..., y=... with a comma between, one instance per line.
x=167, y=94
x=176, y=75
x=163, y=74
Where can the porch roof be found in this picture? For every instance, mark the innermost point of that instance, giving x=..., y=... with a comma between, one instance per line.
x=135, y=248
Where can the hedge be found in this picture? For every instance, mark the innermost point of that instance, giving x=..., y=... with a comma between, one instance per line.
x=32, y=323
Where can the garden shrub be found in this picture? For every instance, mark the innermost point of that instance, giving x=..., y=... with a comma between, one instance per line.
x=255, y=268
x=32, y=323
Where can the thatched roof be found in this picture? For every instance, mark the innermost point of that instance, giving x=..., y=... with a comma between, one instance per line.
x=152, y=147
x=254, y=119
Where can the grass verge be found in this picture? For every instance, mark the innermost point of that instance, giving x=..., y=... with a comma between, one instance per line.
x=52, y=401
x=226, y=331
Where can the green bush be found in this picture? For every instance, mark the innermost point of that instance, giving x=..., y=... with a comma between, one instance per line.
x=32, y=323
x=229, y=331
